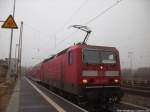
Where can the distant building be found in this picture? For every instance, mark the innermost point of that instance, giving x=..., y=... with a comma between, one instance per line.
x=4, y=66
x=13, y=65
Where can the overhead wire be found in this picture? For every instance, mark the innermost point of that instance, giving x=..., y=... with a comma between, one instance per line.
x=41, y=33
x=103, y=12
x=89, y=21
x=71, y=17
x=62, y=27
x=100, y=14
x=37, y=30
x=63, y=40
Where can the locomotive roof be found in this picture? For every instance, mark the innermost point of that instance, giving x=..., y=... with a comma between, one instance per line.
x=61, y=52
x=80, y=46
x=93, y=46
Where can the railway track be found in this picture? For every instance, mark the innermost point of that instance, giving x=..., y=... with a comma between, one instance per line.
x=137, y=91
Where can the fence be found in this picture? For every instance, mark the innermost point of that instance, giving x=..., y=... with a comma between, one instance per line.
x=136, y=83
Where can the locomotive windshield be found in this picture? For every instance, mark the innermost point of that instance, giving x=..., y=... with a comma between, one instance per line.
x=98, y=57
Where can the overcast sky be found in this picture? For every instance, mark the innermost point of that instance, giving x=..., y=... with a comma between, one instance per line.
x=126, y=27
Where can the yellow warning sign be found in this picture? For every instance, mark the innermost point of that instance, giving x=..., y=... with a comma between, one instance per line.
x=10, y=23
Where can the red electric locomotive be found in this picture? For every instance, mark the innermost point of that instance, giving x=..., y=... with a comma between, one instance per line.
x=89, y=73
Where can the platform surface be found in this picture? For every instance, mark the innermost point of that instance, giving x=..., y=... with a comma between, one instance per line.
x=32, y=101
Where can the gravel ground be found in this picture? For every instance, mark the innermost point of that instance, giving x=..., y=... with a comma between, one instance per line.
x=6, y=90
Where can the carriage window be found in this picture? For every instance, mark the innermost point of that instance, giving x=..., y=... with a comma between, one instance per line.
x=70, y=60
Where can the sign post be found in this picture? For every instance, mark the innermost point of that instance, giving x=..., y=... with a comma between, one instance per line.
x=10, y=24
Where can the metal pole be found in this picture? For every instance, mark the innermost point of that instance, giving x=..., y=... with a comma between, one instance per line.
x=21, y=47
x=16, y=51
x=20, y=50
x=10, y=49
x=16, y=59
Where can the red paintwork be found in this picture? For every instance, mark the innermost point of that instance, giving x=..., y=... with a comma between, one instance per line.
x=53, y=68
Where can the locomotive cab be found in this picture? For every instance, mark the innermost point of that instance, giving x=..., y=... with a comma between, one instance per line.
x=100, y=74
x=100, y=67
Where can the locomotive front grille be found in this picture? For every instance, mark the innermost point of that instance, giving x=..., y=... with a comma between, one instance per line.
x=89, y=73
x=102, y=86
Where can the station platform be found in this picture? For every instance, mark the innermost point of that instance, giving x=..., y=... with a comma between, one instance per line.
x=32, y=97
x=31, y=100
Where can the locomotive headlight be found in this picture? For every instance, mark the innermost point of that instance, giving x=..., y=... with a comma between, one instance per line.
x=85, y=81
x=116, y=80
x=101, y=67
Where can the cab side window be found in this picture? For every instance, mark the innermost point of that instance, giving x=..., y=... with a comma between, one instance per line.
x=70, y=58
